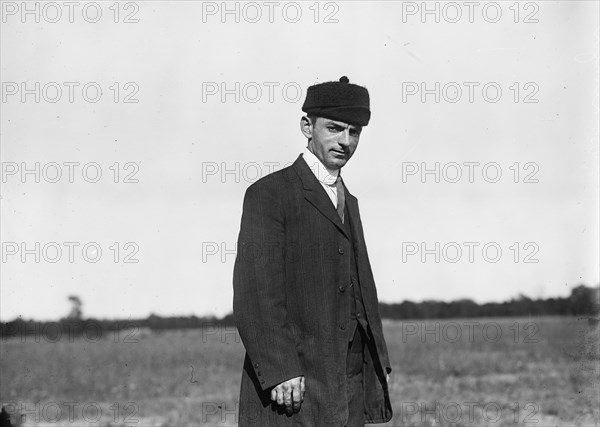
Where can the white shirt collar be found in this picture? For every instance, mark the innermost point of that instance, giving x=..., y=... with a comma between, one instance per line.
x=324, y=175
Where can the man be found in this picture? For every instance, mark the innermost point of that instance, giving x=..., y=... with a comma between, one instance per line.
x=304, y=300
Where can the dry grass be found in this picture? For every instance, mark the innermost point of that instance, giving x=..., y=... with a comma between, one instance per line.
x=546, y=375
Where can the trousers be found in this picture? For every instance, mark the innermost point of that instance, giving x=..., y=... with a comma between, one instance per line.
x=354, y=374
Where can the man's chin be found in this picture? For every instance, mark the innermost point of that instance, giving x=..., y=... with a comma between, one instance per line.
x=337, y=163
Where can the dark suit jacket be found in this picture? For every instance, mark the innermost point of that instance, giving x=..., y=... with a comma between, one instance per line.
x=291, y=305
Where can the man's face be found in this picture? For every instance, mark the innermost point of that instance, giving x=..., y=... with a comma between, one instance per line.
x=333, y=142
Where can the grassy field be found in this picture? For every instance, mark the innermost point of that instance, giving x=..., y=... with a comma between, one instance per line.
x=460, y=372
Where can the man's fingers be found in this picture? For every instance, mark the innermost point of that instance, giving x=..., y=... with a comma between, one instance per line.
x=279, y=396
x=289, y=394
x=296, y=398
x=287, y=400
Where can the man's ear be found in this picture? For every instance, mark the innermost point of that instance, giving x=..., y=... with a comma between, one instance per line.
x=306, y=127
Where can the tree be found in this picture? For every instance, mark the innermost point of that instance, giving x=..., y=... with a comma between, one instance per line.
x=581, y=301
x=76, y=304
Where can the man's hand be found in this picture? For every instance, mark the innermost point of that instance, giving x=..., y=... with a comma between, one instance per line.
x=289, y=394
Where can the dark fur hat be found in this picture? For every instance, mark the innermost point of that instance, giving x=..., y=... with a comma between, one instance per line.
x=341, y=100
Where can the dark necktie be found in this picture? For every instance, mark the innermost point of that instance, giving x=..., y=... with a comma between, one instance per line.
x=341, y=197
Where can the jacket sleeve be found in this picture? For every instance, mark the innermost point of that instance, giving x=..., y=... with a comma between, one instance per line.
x=259, y=298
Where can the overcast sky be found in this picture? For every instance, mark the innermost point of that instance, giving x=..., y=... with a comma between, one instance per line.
x=501, y=115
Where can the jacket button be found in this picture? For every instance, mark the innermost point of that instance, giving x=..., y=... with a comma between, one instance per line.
x=342, y=289
x=256, y=365
x=259, y=373
x=262, y=381
x=341, y=251
x=342, y=326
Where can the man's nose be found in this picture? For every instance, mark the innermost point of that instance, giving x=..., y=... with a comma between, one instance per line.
x=344, y=138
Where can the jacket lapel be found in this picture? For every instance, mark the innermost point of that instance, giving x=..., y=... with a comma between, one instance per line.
x=352, y=206
x=315, y=194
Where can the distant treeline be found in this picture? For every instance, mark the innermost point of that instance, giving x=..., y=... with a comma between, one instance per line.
x=583, y=301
